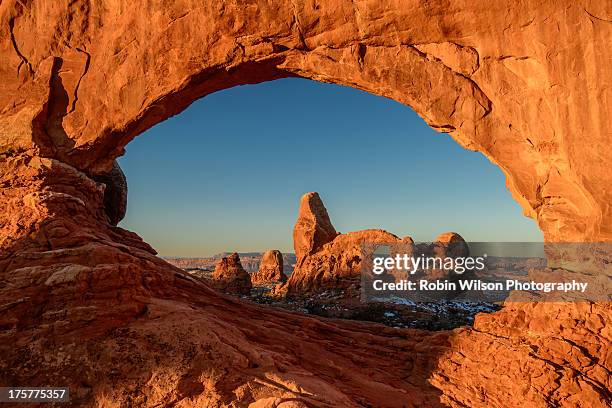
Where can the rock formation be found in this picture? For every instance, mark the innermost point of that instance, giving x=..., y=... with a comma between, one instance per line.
x=325, y=258
x=313, y=228
x=525, y=83
x=451, y=244
x=448, y=244
x=229, y=276
x=270, y=269
x=115, y=193
x=334, y=261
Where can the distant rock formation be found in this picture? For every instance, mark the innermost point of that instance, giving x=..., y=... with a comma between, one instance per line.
x=325, y=258
x=446, y=245
x=229, y=276
x=270, y=268
x=313, y=228
x=249, y=260
x=330, y=260
x=451, y=244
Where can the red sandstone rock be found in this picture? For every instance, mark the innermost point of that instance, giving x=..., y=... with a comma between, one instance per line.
x=338, y=263
x=229, y=276
x=115, y=193
x=325, y=258
x=525, y=83
x=451, y=244
x=313, y=228
x=472, y=70
x=270, y=268
x=446, y=245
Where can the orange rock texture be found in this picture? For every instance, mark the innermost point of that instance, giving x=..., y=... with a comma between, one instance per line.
x=270, y=268
x=229, y=276
x=327, y=259
x=88, y=305
x=331, y=260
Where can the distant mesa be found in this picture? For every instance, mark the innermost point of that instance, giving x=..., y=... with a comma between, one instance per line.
x=270, y=269
x=249, y=260
x=229, y=276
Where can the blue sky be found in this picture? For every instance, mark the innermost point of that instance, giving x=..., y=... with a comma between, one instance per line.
x=227, y=173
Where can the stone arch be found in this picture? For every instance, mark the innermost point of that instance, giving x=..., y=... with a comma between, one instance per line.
x=493, y=91
x=525, y=84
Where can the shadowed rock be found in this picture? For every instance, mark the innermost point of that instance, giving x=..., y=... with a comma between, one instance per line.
x=115, y=193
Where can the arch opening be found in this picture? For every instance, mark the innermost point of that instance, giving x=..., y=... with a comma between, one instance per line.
x=227, y=174
x=299, y=136
x=519, y=82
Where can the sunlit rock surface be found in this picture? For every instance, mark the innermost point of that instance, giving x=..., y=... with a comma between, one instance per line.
x=270, y=269
x=89, y=305
x=229, y=276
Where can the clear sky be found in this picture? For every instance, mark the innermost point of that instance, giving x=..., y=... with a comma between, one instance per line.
x=227, y=173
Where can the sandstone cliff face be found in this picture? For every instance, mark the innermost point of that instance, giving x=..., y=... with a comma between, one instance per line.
x=229, y=276
x=527, y=84
x=270, y=268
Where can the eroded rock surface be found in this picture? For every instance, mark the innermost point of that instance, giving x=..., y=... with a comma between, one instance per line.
x=327, y=259
x=77, y=87
x=335, y=261
x=115, y=193
x=527, y=84
x=229, y=276
x=313, y=228
x=270, y=268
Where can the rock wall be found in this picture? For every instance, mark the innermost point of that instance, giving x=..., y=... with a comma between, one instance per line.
x=88, y=305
